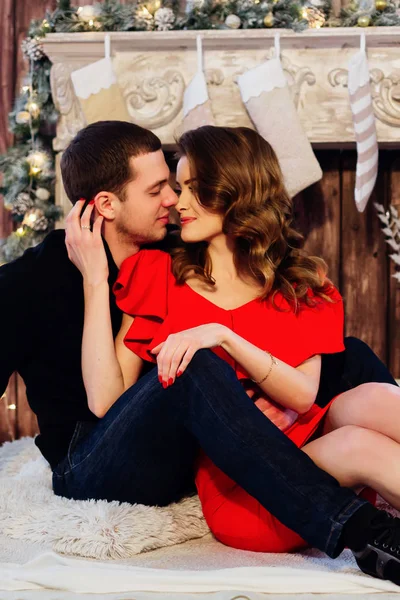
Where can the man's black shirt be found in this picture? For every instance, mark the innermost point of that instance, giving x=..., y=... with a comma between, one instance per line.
x=41, y=324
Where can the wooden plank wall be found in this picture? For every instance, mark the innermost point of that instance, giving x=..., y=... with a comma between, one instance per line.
x=352, y=245
x=354, y=248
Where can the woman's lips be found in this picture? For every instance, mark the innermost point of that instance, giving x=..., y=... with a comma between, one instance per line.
x=187, y=220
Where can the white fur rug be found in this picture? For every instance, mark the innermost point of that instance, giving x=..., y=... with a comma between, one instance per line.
x=30, y=511
x=36, y=527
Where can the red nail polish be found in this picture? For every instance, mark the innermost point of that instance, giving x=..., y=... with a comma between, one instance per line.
x=82, y=200
x=91, y=202
x=165, y=385
x=170, y=381
x=179, y=373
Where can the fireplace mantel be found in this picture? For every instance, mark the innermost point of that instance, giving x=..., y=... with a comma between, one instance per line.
x=153, y=69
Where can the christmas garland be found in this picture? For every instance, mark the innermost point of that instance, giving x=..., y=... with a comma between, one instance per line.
x=28, y=177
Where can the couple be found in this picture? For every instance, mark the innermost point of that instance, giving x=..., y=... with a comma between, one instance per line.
x=239, y=285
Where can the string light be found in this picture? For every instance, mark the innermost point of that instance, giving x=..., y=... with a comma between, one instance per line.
x=32, y=218
x=33, y=109
x=34, y=171
x=8, y=407
x=20, y=231
x=37, y=161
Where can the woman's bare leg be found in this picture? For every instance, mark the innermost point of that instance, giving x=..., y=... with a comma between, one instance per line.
x=375, y=406
x=360, y=457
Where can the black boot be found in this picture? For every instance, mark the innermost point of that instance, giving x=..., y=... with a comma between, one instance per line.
x=380, y=556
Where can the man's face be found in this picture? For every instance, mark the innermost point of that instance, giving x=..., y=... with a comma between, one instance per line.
x=143, y=215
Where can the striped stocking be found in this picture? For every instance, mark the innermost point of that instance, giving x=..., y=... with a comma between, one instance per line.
x=364, y=126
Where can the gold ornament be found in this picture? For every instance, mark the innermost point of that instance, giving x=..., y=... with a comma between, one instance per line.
x=380, y=4
x=269, y=20
x=364, y=21
x=153, y=6
x=34, y=171
x=314, y=16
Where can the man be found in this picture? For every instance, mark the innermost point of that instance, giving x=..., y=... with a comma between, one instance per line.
x=142, y=450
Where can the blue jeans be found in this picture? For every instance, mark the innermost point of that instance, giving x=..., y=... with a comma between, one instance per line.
x=346, y=370
x=143, y=449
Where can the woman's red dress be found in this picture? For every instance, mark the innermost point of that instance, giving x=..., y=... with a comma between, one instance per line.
x=147, y=290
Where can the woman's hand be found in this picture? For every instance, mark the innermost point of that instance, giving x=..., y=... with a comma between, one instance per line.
x=174, y=355
x=85, y=247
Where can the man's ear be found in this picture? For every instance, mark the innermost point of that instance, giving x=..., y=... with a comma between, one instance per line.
x=105, y=204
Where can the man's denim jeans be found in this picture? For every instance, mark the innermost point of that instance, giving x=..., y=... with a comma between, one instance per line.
x=346, y=370
x=143, y=451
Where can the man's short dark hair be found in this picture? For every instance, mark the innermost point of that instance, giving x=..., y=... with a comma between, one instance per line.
x=98, y=158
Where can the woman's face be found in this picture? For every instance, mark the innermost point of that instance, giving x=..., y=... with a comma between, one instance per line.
x=198, y=224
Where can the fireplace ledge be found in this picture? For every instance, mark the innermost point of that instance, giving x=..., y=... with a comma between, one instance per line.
x=153, y=69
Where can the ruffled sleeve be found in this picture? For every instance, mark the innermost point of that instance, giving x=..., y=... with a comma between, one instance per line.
x=141, y=290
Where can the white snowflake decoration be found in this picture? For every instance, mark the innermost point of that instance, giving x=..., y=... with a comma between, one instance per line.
x=391, y=221
x=32, y=49
x=164, y=19
x=22, y=204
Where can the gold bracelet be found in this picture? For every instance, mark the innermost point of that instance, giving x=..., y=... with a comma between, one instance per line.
x=273, y=362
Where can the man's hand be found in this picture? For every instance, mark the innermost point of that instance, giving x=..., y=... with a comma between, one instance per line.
x=85, y=247
x=174, y=355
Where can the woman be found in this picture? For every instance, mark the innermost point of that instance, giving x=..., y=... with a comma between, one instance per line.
x=242, y=286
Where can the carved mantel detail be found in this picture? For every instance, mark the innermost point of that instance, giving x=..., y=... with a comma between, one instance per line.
x=297, y=76
x=155, y=101
x=71, y=117
x=385, y=93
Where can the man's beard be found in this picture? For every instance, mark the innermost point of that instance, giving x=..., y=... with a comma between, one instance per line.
x=139, y=237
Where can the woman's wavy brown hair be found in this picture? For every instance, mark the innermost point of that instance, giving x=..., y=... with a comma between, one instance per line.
x=236, y=174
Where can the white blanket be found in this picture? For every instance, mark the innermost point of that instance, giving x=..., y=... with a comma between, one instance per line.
x=52, y=571
x=29, y=567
